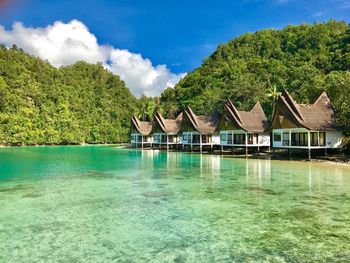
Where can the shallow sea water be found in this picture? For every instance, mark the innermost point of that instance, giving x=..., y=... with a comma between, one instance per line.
x=103, y=204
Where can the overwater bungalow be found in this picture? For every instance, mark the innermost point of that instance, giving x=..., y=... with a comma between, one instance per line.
x=301, y=126
x=141, y=133
x=166, y=131
x=199, y=131
x=243, y=129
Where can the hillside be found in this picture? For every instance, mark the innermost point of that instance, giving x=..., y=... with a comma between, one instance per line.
x=40, y=104
x=305, y=60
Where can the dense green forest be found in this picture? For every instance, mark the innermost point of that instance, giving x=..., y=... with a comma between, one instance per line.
x=85, y=103
x=40, y=104
x=305, y=60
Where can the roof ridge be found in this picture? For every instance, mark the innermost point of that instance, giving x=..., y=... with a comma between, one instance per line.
x=192, y=116
x=323, y=95
x=239, y=123
x=137, y=124
x=258, y=109
x=160, y=117
x=179, y=117
x=234, y=111
x=292, y=103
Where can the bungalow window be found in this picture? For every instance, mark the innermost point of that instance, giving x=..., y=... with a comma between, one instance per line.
x=250, y=138
x=229, y=138
x=303, y=138
x=206, y=138
x=295, y=139
x=277, y=137
x=185, y=137
x=322, y=136
x=239, y=139
x=172, y=138
x=163, y=138
x=285, y=139
x=223, y=137
x=313, y=139
x=196, y=138
x=299, y=139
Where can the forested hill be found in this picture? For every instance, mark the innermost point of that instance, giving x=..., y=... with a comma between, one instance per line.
x=305, y=60
x=40, y=104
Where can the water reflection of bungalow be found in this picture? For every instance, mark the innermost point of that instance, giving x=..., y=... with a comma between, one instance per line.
x=300, y=126
x=165, y=131
x=243, y=129
x=258, y=172
x=140, y=133
x=199, y=131
x=210, y=165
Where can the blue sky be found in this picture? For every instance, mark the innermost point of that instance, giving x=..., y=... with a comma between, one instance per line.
x=178, y=34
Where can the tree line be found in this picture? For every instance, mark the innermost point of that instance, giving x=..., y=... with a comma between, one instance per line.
x=40, y=104
x=306, y=60
x=85, y=103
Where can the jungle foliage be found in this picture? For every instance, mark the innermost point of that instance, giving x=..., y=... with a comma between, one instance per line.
x=40, y=104
x=306, y=60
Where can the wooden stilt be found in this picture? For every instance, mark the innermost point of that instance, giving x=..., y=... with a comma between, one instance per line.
x=309, y=154
x=325, y=152
x=290, y=154
x=246, y=151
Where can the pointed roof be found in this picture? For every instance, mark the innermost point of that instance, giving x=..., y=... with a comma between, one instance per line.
x=203, y=124
x=169, y=126
x=250, y=121
x=317, y=116
x=143, y=127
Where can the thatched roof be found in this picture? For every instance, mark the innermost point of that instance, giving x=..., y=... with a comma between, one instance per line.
x=317, y=116
x=250, y=121
x=143, y=127
x=203, y=124
x=169, y=126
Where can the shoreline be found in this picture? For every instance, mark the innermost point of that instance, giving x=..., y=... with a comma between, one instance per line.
x=69, y=144
x=336, y=159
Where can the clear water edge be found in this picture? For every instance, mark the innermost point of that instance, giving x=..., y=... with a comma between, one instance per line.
x=103, y=204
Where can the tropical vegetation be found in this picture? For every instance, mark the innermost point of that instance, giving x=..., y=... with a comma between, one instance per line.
x=40, y=104
x=85, y=103
x=306, y=60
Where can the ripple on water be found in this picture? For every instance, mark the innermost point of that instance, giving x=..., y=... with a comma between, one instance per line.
x=133, y=206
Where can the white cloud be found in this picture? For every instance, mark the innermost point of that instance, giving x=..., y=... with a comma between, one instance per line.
x=345, y=5
x=317, y=14
x=66, y=43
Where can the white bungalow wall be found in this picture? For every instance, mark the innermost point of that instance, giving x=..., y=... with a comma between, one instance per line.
x=170, y=138
x=263, y=139
x=333, y=139
x=185, y=138
x=138, y=138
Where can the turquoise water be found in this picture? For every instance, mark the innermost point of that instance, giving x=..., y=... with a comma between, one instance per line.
x=103, y=204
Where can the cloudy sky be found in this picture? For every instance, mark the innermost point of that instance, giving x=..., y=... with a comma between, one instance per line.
x=150, y=44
